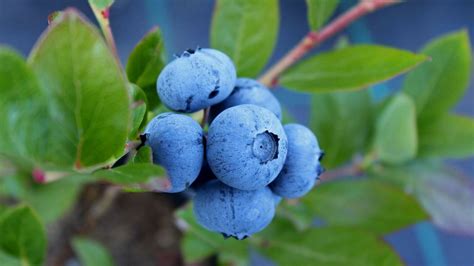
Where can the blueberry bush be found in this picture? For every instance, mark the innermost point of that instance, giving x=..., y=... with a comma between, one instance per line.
x=190, y=149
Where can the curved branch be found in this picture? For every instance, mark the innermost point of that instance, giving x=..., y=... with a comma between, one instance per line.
x=313, y=38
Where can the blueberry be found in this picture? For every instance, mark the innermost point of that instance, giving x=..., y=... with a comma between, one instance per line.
x=248, y=91
x=302, y=166
x=246, y=147
x=177, y=144
x=222, y=58
x=233, y=212
x=196, y=80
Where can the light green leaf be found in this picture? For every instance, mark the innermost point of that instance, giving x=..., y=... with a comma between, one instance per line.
x=23, y=115
x=86, y=93
x=350, y=68
x=138, y=108
x=368, y=204
x=325, y=246
x=137, y=177
x=341, y=122
x=246, y=30
x=144, y=155
x=8, y=260
x=438, y=84
x=145, y=64
x=319, y=11
x=198, y=243
x=22, y=236
x=101, y=4
x=91, y=253
x=444, y=193
x=52, y=200
x=298, y=214
x=447, y=136
x=396, y=133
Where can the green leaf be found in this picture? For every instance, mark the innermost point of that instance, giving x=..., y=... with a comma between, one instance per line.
x=319, y=11
x=144, y=155
x=52, y=200
x=101, y=4
x=350, y=68
x=91, y=253
x=396, y=133
x=447, y=136
x=368, y=204
x=325, y=246
x=145, y=64
x=139, y=107
x=246, y=30
x=86, y=93
x=137, y=177
x=23, y=116
x=341, y=122
x=22, y=236
x=444, y=193
x=437, y=85
x=298, y=214
x=8, y=260
x=198, y=243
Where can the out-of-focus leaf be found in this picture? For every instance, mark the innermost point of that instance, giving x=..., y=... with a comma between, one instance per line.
x=52, y=200
x=139, y=106
x=438, y=84
x=246, y=30
x=350, y=68
x=325, y=246
x=22, y=237
x=341, y=122
x=319, y=11
x=91, y=253
x=447, y=136
x=198, y=243
x=8, y=260
x=137, y=177
x=145, y=64
x=342, y=42
x=101, y=4
x=444, y=193
x=368, y=204
x=396, y=133
x=23, y=114
x=86, y=94
x=299, y=214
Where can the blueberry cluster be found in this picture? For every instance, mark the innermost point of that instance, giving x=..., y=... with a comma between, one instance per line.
x=249, y=161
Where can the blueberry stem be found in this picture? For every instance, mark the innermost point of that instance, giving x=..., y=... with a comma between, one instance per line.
x=314, y=38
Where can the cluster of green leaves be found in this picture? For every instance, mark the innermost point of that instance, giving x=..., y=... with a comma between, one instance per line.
x=398, y=143
x=69, y=110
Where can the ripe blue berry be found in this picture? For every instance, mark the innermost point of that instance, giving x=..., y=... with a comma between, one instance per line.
x=177, y=144
x=196, y=80
x=302, y=166
x=248, y=91
x=233, y=212
x=246, y=147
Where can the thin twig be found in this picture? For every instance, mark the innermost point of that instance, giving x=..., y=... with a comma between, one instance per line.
x=353, y=169
x=313, y=38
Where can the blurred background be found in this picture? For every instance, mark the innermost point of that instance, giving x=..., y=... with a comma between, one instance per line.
x=185, y=24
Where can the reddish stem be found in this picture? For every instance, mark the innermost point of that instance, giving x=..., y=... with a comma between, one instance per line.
x=313, y=38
